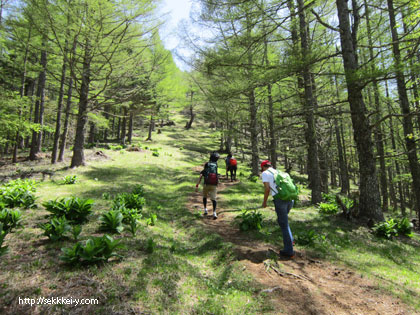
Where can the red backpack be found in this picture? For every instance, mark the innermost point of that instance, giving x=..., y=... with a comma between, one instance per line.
x=233, y=162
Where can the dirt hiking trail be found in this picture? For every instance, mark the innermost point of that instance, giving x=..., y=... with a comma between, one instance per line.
x=302, y=285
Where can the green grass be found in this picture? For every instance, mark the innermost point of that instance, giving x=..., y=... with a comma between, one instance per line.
x=190, y=271
x=394, y=264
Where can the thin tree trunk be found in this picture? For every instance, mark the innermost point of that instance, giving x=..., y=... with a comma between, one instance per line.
x=63, y=139
x=39, y=108
x=130, y=128
x=378, y=130
x=410, y=140
x=124, y=126
x=59, y=107
x=309, y=105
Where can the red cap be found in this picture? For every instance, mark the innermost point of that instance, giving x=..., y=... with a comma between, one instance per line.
x=265, y=163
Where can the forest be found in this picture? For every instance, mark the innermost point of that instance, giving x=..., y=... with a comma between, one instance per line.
x=328, y=91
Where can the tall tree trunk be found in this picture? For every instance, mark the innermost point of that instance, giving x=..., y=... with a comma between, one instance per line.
x=124, y=126
x=309, y=105
x=130, y=128
x=22, y=92
x=78, y=158
x=63, y=138
x=192, y=115
x=369, y=201
x=410, y=141
x=39, y=108
x=151, y=127
x=254, y=132
x=59, y=106
x=378, y=130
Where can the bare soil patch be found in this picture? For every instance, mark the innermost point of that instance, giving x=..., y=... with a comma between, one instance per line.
x=302, y=285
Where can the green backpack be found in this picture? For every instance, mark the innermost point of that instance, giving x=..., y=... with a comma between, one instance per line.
x=287, y=190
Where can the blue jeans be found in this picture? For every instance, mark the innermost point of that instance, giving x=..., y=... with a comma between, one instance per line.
x=282, y=209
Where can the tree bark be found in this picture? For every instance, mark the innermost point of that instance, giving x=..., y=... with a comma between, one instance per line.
x=369, y=201
x=63, y=138
x=39, y=108
x=78, y=158
x=410, y=141
x=130, y=128
x=59, y=107
x=309, y=105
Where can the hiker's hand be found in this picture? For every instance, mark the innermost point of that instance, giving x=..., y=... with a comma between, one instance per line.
x=196, y=188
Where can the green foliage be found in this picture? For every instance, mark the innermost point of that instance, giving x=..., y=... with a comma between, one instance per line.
x=405, y=227
x=150, y=245
x=151, y=220
x=155, y=153
x=75, y=231
x=138, y=190
x=393, y=227
x=254, y=178
x=249, y=220
x=115, y=147
x=132, y=222
x=308, y=238
x=329, y=198
x=70, y=179
x=94, y=250
x=112, y=222
x=328, y=208
x=56, y=228
x=386, y=229
x=18, y=193
x=130, y=201
x=106, y=196
x=10, y=219
x=3, y=233
x=75, y=209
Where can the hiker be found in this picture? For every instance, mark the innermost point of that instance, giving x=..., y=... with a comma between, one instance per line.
x=231, y=166
x=211, y=179
x=282, y=207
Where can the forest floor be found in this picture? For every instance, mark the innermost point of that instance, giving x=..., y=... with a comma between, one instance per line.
x=301, y=285
x=198, y=265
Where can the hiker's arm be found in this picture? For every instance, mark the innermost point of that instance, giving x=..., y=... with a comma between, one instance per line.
x=198, y=183
x=266, y=194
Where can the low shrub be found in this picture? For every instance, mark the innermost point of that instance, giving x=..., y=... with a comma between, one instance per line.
x=112, y=222
x=10, y=219
x=254, y=178
x=150, y=245
x=249, y=220
x=75, y=209
x=3, y=233
x=75, y=231
x=130, y=201
x=308, y=238
x=328, y=208
x=56, y=228
x=70, y=179
x=151, y=220
x=18, y=193
x=94, y=250
x=393, y=227
x=133, y=223
x=155, y=153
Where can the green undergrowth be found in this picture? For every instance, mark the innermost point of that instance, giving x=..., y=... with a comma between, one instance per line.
x=393, y=264
x=170, y=266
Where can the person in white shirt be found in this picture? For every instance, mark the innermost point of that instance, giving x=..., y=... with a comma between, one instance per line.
x=282, y=208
